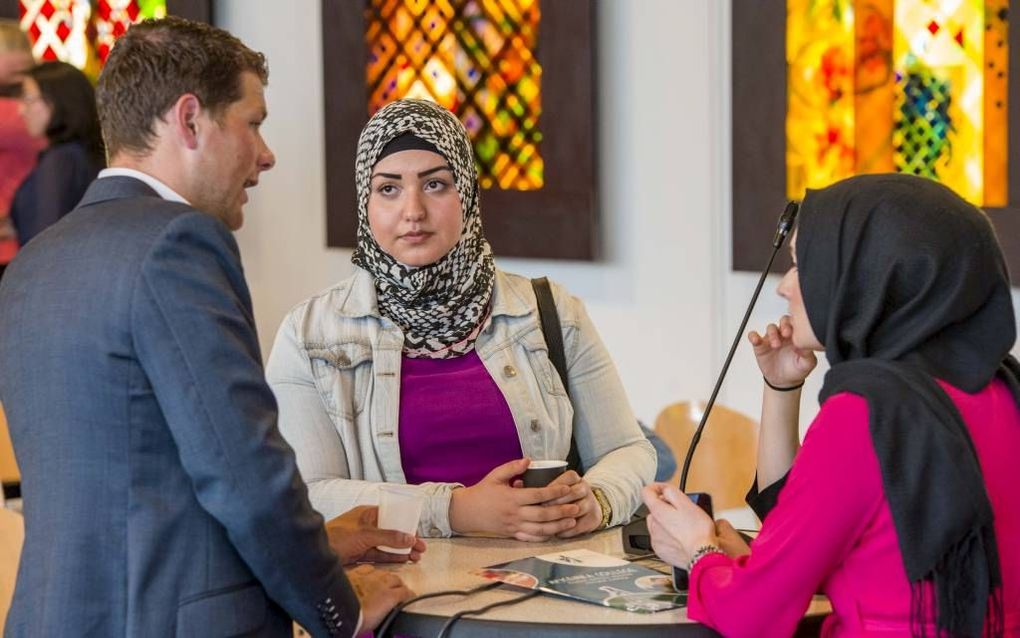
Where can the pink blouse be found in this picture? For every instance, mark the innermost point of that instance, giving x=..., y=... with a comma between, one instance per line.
x=832, y=532
x=17, y=157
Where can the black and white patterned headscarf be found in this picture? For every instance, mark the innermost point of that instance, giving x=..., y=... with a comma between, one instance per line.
x=439, y=307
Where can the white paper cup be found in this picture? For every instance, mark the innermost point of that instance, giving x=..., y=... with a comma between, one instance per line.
x=399, y=509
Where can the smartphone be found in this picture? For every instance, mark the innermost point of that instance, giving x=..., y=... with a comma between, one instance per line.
x=703, y=500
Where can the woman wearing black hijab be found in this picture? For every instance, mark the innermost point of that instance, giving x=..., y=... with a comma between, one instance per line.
x=901, y=505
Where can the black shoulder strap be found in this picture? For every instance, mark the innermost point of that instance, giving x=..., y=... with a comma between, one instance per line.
x=549, y=319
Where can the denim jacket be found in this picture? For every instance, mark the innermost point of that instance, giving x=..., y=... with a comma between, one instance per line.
x=335, y=370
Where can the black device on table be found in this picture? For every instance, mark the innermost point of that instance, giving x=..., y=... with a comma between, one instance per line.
x=636, y=539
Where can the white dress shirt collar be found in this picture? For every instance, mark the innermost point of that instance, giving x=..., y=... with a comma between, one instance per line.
x=161, y=189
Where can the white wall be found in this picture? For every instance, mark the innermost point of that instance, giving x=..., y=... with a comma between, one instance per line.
x=663, y=296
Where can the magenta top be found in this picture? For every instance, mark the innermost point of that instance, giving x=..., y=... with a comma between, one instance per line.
x=455, y=424
x=832, y=532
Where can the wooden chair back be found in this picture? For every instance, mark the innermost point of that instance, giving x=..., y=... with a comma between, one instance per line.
x=12, y=537
x=724, y=463
x=8, y=466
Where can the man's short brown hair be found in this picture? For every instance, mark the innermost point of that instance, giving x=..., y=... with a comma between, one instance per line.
x=155, y=63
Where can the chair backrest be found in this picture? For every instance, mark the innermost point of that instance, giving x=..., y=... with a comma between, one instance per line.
x=724, y=463
x=12, y=536
x=8, y=466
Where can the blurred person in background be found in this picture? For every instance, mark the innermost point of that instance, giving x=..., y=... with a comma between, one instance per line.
x=58, y=106
x=17, y=148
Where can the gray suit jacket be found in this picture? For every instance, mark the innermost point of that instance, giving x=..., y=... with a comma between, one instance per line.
x=160, y=499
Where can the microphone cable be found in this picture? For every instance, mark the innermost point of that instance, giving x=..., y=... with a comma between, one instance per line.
x=445, y=630
x=783, y=229
x=392, y=616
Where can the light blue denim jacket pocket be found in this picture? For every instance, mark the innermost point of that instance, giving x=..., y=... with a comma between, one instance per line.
x=342, y=373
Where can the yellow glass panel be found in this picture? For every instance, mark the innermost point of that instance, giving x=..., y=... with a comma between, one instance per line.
x=938, y=54
x=928, y=80
x=820, y=108
x=874, y=87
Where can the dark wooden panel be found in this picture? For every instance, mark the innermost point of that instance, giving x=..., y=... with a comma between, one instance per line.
x=558, y=221
x=344, y=58
x=759, y=131
x=9, y=9
x=200, y=10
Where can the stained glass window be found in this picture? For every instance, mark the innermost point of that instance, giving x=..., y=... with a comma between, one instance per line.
x=82, y=32
x=474, y=57
x=916, y=86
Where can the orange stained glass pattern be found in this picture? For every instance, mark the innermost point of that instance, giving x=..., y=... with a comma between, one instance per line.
x=924, y=92
x=995, y=103
x=474, y=57
x=82, y=32
x=820, y=92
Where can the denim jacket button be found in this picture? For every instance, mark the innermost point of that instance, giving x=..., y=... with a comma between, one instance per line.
x=509, y=372
x=535, y=425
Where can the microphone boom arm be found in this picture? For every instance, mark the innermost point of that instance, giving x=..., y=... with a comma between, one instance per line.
x=783, y=229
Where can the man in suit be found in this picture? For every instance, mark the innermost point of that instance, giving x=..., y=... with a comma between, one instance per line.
x=159, y=497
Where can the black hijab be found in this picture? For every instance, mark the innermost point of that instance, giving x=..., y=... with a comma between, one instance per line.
x=904, y=283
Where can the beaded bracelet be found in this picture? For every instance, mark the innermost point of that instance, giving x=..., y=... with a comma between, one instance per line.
x=702, y=552
x=777, y=388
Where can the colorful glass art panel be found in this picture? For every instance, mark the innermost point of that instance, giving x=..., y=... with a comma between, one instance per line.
x=474, y=57
x=82, y=32
x=820, y=111
x=916, y=86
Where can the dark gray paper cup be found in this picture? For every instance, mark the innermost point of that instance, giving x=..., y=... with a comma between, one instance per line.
x=542, y=473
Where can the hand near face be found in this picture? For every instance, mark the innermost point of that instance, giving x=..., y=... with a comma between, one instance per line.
x=378, y=592
x=677, y=526
x=781, y=362
x=494, y=506
x=355, y=535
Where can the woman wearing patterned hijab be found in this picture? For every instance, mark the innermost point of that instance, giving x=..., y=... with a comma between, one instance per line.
x=429, y=367
x=901, y=504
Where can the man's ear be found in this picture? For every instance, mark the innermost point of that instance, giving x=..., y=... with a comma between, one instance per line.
x=184, y=121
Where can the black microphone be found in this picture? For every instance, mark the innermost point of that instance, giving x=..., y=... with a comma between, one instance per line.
x=635, y=533
x=783, y=228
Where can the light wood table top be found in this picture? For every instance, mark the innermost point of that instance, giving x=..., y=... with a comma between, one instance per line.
x=449, y=563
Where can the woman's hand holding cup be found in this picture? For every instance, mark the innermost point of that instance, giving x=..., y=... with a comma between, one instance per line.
x=541, y=473
x=494, y=506
x=590, y=514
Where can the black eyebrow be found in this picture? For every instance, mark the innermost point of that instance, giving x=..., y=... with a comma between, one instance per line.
x=444, y=167
x=424, y=173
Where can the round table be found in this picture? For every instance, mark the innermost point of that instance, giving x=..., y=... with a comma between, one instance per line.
x=449, y=563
